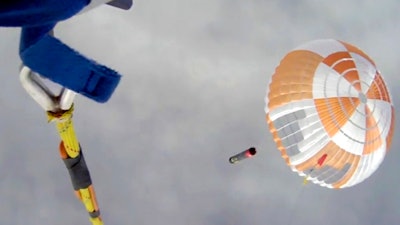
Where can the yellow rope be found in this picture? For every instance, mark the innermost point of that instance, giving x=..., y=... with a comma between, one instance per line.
x=87, y=199
x=71, y=148
x=305, y=181
x=65, y=128
x=96, y=221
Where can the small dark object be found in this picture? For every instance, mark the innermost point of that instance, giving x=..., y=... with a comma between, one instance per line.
x=243, y=155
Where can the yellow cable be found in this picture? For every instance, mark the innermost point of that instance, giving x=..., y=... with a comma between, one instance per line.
x=88, y=198
x=96, y=221
x=65, y=128
x=305, y=181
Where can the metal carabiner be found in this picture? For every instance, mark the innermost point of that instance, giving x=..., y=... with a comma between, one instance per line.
x=42, y=94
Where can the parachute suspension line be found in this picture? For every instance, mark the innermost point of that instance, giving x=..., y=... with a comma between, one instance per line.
x=72, y=155
x=59, y=109
x=305, y=180
x=65, y=128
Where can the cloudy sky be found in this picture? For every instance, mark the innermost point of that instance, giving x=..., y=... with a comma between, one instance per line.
x=194, y=80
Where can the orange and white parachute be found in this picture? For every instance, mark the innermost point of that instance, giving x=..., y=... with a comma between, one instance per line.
x=328, y=100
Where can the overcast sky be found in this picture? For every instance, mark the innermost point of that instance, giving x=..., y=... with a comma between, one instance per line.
x=194, y=80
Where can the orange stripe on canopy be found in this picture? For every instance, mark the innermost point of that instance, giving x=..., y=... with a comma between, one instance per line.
x=378, y=89
x=337, y=159
x=334, y=112
x=355, y=159
x=343, y=64
x=356, y=50
x=373, y=136
x=293, y=78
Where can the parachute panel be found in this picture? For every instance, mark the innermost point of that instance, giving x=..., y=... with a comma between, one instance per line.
x=327, y=99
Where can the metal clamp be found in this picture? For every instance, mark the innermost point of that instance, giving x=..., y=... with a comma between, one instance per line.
x=42, y=94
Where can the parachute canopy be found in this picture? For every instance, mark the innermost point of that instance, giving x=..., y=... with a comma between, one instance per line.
x=330, y=113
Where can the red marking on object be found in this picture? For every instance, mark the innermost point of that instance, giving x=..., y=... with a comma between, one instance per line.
x=250, y=152
x=322, y=159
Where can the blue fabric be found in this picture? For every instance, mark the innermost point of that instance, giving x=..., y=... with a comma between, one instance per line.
x=47, y=55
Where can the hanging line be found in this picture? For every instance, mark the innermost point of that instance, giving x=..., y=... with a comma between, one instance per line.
x=59, y=109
